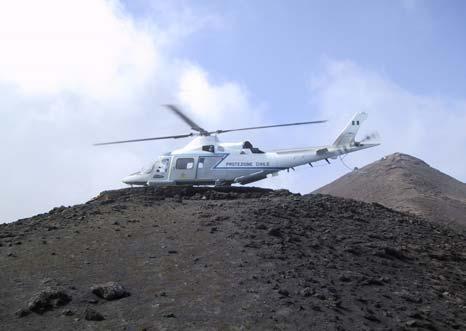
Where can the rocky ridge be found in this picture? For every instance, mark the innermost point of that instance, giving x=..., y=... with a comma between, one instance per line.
x=232, y=258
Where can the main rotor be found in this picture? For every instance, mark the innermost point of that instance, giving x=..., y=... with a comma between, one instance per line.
x=200, y=131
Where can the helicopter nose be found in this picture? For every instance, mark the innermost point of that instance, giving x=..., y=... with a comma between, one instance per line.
x=135, y=180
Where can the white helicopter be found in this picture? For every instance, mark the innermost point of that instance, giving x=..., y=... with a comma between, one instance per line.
x=207, y=161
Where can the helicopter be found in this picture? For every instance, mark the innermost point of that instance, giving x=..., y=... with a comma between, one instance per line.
x=208, y=161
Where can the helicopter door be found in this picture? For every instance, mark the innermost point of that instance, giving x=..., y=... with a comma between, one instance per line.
x=184, y=169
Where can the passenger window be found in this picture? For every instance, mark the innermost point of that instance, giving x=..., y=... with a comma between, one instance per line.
x=200, y=163
x=187, y=163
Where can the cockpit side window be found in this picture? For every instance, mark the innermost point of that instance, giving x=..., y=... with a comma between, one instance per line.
x=164, y=165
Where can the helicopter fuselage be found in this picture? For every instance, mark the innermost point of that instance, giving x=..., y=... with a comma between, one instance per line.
x=206, y=161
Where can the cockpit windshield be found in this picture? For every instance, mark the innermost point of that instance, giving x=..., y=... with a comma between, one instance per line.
x=159, y=166
x=148, y=169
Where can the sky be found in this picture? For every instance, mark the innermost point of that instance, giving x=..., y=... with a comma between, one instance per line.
x=76, y=72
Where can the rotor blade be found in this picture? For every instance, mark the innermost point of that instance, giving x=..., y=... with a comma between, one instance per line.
x=145, y=139
x=185, y=118
x=267, y=126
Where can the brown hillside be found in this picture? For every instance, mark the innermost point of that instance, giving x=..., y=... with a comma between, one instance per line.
x=405, y=183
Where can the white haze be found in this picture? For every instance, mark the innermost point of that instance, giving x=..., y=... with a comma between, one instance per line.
x=77, y=72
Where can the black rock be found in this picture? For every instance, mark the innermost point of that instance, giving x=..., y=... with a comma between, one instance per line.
x=48, y=299
x=67, y=312
x=22, y=312
x=93, y=315
x=373, y=281
x=421, y=325
x=345, y=278
x=392, y=253
x=275, y=232
x=408, y=296
x=110, y=291
x=371, y=317
x=306, y=292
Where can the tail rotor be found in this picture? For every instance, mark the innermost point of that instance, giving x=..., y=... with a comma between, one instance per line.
x=371, y=138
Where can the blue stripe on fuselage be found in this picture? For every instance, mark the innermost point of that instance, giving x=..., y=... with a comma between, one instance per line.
x=225, y=155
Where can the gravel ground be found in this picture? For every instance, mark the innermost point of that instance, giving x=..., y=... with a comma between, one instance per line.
x=230, y=259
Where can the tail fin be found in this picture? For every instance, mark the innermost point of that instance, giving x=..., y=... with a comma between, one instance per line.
x=347, y=136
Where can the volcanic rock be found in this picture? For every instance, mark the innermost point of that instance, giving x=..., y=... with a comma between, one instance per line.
x=275, y=232
x=92, y=315
x=67, y=312
x=336, y=264
x=407, y=184
x=48, y=299
x=110, y=291
x=22, y=312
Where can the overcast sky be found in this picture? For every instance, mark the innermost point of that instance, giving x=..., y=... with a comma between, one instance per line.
x=77, y=72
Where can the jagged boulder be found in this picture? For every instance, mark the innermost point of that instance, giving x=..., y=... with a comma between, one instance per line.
x=110, y=291
x=48, y=299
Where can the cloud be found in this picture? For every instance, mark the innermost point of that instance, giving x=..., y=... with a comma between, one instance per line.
x=86, y=47
x=223, y=104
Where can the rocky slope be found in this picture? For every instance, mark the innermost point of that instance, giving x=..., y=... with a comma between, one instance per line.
x=405, y=183
x=230, y=259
